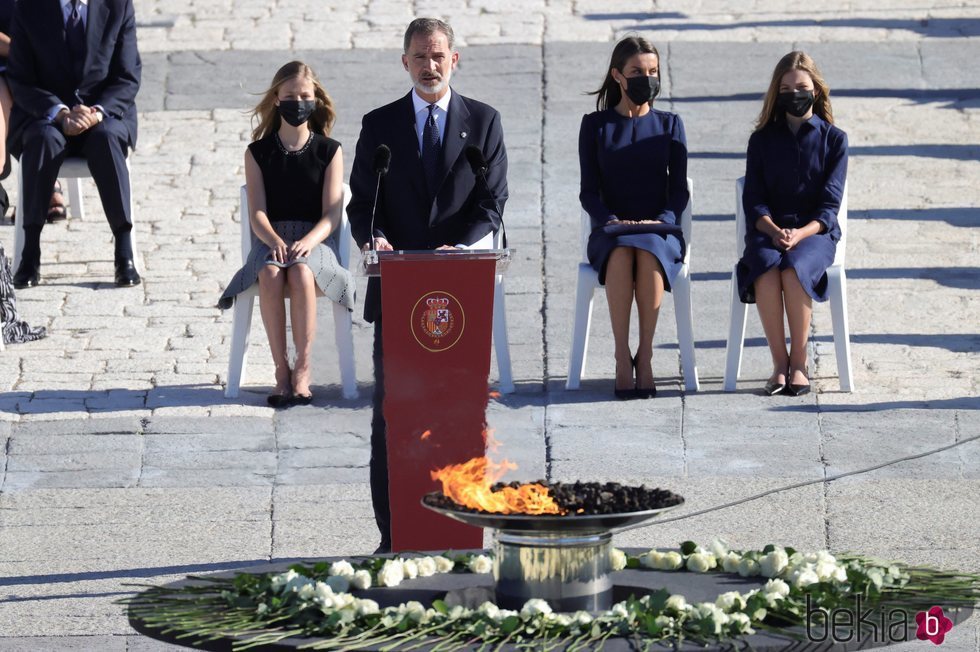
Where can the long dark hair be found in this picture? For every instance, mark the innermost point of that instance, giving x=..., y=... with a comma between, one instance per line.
x=609, y=94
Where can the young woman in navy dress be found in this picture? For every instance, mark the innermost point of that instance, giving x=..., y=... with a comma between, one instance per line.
x=795, y=170
x=633, y=162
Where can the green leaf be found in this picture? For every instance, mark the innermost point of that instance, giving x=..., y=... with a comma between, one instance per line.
x=688, y=548
x=632, y=562
x=768, y=549
x=510, y=624
x=658, y=601
x=440, y=606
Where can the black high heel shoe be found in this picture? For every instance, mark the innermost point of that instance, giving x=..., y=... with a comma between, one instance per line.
x=626, y=394
x=302, y=399
x=643, y=392
x=799, y=390
x=278, y=400
x=774, y=387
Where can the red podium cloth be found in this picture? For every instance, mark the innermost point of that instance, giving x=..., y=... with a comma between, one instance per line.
x=438, y=312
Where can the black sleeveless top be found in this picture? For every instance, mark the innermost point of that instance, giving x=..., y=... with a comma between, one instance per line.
x=294, y=180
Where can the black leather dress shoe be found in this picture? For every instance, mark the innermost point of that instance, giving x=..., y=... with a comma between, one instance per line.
x=774, y=387
x=27, y=276
x=126, y=274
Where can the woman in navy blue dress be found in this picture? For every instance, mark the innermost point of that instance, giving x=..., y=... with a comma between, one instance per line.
x=795, y=170
x=633, y=162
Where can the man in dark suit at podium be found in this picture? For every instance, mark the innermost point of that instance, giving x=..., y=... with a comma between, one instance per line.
x=74, y=71
x=429, y=198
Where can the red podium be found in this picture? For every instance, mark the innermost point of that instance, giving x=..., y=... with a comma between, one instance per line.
x=438, y=314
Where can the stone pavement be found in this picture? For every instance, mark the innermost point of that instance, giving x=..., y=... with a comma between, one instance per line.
x=121, y=462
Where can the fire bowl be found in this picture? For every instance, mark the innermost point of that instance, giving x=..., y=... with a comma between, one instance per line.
x=562, y=559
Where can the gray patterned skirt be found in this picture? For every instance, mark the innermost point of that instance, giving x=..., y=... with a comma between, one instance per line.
x=335, y=282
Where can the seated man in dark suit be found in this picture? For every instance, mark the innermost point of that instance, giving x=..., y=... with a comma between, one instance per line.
x=430, y=198
x=74, y=71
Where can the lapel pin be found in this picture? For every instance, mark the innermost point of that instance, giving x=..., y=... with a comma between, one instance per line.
x=462, y=134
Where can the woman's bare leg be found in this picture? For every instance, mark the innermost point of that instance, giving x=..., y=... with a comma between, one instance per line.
x=619, y=296
x=272, y=305
x=302, y=317
x=799, y=311
x=649, y=294
x=769, y=300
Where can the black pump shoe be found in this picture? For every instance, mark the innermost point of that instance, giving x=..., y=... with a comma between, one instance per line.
x=302, y=399
x=799, y=390
x=278, y=400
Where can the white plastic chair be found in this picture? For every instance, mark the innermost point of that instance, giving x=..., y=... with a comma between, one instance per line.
x=588, y=282
x=500, y=342
x=73, y=170
x=245, y=302
x=836, y=288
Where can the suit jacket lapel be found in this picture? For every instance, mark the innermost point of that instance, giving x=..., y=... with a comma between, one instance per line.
x=407, y=141
x=454, y=134
x=98, y=15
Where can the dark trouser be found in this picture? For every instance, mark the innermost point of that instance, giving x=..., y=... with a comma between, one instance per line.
x=379, y=444
x=104, y=147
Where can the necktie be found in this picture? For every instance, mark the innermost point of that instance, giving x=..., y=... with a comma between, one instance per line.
x=75, y=39
x=431, y=152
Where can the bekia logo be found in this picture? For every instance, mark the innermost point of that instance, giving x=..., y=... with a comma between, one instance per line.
x=932, y=625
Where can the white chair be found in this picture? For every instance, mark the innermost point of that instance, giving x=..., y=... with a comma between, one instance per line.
x=588, y=282
x=73, y=170
x=245, y=302
x=836, y=288
x=500, y=341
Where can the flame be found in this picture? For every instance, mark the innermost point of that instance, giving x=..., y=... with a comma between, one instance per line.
x=468, y=484
x=490, y=443
x=426, y=435
x=494, y=394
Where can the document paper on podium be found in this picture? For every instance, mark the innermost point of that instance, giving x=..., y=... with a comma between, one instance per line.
x=437, y=326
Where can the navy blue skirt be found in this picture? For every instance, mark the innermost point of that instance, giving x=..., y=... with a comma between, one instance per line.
x=809, y=259
x=666, y=247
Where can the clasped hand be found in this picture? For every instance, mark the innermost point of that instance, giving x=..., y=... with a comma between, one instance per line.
x=79, y=119
x=618, y=221
x=786, y=239
x=284, y=252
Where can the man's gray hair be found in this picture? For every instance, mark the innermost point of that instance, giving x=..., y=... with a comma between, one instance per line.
x=427, y=26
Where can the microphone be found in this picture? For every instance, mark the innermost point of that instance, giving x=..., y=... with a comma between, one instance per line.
x=478, y=163
x=382, y=160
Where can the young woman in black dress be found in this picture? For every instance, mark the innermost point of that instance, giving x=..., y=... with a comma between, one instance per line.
x=633, y=162
x=795, y=170
x=294, y=176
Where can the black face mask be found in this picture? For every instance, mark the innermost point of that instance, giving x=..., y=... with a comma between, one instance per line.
x=296, y=112
x=795, y=103
x=642, y=89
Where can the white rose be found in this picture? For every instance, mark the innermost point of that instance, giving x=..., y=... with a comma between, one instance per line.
x=804, y=577
x=840, y=575
x=296, y=584
x=759, y=614
x=730, y=562
x=411, y=568
x=443, y=565
x=774, y=563
x=427, y=567
x=367, y=607
x=307, y=591
x=651, y=559
x=665, y=622
x=391, y=574
x=748, y=567
x=279, y=581
x=825, y=570
x=731, y=601
x=583, y=617
x=361, y=580
x=535, y=606
x=262, y=608
x=825, y=556
x=414, y=610
x=700, y=562
x=741, y=623
x=322, y=592
x=719, y=548
x=619, y=610
x=342, y=569
x=676, y=602
x=618, y=559
x=710, y=612
x=457, y=612
x=480, y=564
x=671, y=561
x=877, y=576
x=776, y=587
x=490, y=610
